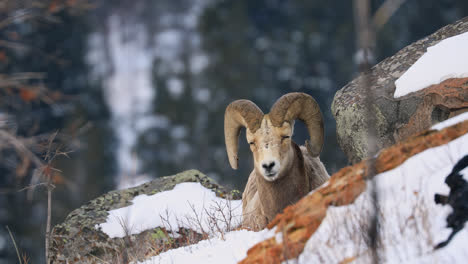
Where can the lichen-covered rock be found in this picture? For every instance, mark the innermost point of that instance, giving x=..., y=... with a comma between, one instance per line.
x=397, y=118
x=299, y=222
x=76, y=240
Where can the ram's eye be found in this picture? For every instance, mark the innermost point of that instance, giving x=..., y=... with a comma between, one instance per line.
x=284, y=137
x=252, y=143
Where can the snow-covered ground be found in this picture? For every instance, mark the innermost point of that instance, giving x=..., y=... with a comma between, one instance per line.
x=188, y=205
x=411, y=224
x=230, y=250
x=447, y=59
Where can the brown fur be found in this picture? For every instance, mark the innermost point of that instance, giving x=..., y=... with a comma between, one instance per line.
x=262, y=200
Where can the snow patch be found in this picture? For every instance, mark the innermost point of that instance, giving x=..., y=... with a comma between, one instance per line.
x=169, y=39
x=175, y=87
x=450, y=122
x=198, y=63
x=231, y=250
x=203, y=95
x=447, y=59
x=124, y=64
x=172, y=210
x=179, y=132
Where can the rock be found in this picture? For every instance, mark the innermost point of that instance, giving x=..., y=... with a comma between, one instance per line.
x=76, y=240
x=456, y=199
x=397, y=118
x=298, y=222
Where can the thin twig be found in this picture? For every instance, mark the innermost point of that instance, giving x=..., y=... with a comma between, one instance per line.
x=32, y=186
x=23, y=16
x=50, y=188
x=19, y=146
x=385, y=11
x=14, y=243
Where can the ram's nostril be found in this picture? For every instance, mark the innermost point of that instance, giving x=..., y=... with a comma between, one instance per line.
x=268, y=166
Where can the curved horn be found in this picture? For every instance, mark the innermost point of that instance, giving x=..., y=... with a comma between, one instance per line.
x=300, y=106
x=240, y=113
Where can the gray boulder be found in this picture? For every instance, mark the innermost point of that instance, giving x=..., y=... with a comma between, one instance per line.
x=397, y=118
x=76, y=240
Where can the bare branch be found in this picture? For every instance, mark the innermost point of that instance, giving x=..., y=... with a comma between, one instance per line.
x=14, y=243
x=20, y=147
x=16, y=17
x=385, y=11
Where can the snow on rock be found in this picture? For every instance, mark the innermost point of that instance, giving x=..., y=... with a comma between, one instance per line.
x=452, y=121
x=232, y=249
x=188, y=205
x=410, y=223
x=447, y=59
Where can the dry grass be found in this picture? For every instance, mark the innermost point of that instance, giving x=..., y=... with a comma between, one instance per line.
x=213, y=221
x=399, y=225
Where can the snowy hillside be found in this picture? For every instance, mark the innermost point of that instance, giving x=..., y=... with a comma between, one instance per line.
x=411, y=224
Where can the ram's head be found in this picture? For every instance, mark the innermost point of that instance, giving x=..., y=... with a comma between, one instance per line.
x=270, y=135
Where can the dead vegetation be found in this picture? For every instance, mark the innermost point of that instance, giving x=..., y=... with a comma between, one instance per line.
x=212, y=221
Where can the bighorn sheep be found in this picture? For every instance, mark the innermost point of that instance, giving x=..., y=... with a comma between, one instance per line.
x=283, y=172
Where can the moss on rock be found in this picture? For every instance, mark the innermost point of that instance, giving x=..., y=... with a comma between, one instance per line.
x=76, y=240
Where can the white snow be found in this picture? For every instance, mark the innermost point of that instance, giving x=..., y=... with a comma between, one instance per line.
x=124, y=63
x=198, y=63
x=411, y=224
x=179, y=132
x=175, y=87
x=447, y=59
x=203, y=95
x=231, y=250
x=364, y=56
x=182, y=206
x=169, y=39
x=153, y=121
x=452, y=121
